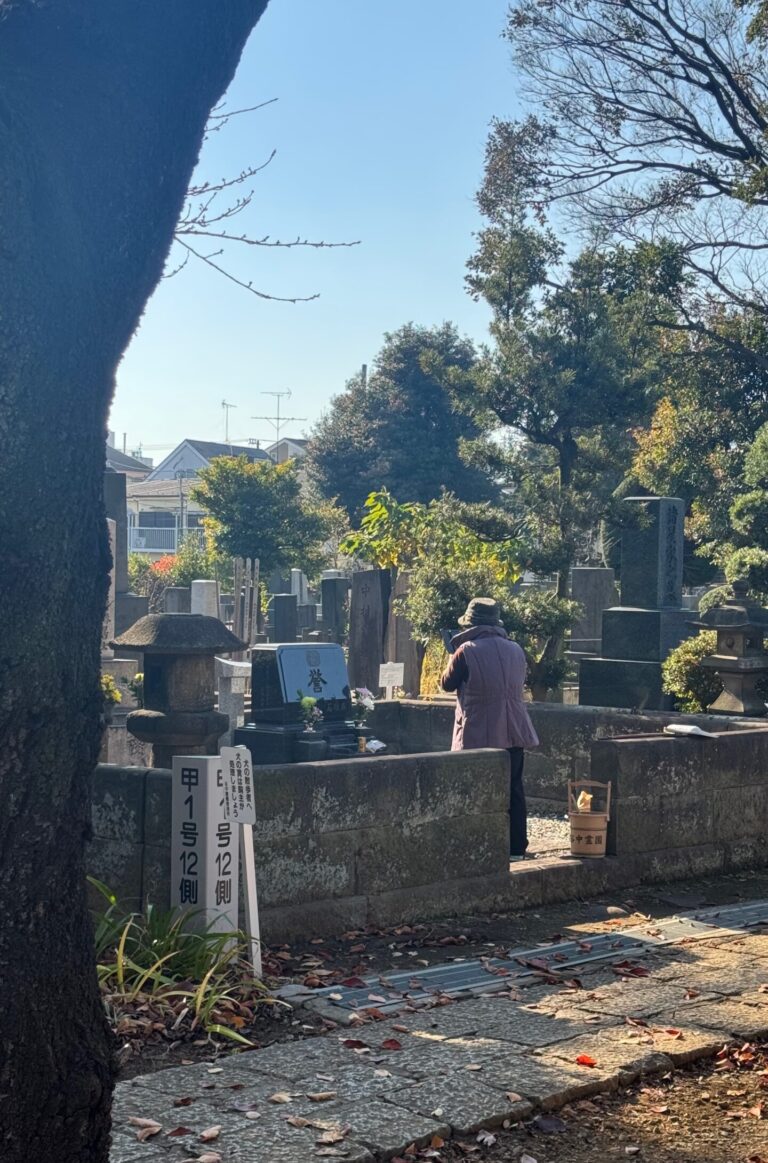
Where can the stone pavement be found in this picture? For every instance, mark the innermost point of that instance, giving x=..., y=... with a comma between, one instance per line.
x=368, y=1092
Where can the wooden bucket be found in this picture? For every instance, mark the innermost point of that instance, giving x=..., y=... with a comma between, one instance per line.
x=589, y=829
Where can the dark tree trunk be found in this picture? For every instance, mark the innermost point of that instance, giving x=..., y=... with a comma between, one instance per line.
x=102, y=109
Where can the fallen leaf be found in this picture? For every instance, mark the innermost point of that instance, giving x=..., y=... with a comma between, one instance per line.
x=382, y=1073
x=485, y=1137
x=376, y=997
x=585, y=1060
x=674, y=1033
x=354, y=983
x=210, y=1133
x=391, y=1044
x=512, y=1097
x=279, y=1096
x=298, y=1121
x=527, y=1159
x=660, y=1110
x=146, y=1128
x=631, y=1150
x=437, y=1143
x=473, y=1066
x=757, y=1110
x=186, y=1101
x=335, y=996
x=354, y=1044
x=322, y=1096
x=333, y=1136
x=400, y=1029
x=177, y=1132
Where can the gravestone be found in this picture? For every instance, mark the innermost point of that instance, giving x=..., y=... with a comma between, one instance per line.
x=177, y=600
x=400, y=645
x=129, y=607
x=284, y=618
x=307, y=616
x=638, y=635
x=300, y=586
x=204, y=598
x=594, y=588
x=333, y=597
x=368, y=616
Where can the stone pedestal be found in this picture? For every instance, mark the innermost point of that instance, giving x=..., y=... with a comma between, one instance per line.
x=637, y=636
x=284, y=618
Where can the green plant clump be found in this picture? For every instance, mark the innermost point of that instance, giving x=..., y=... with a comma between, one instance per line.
x=190, y=979
x=693, y=687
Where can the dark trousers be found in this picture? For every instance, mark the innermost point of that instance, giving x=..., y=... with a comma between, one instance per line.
x=518, y=815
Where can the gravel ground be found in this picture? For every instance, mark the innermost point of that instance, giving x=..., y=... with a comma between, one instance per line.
x=548, y=834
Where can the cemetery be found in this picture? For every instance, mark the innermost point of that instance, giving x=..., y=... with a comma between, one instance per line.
x=384, y=773
x=347, y=838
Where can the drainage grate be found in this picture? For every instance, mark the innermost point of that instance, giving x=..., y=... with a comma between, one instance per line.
x=391, y=992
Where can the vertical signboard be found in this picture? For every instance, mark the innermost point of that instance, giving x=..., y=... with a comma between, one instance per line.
x=204, y=844
x=240, y=809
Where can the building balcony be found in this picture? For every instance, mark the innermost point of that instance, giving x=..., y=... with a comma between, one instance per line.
x=145, y=539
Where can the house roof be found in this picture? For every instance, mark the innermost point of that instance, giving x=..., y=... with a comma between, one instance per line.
x=160, y=489
x=210, y=448
x=121, y=462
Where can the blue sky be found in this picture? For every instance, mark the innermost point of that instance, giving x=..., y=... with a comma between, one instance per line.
x=379, y=129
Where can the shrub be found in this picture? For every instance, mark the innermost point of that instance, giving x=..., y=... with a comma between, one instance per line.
x=694, y=687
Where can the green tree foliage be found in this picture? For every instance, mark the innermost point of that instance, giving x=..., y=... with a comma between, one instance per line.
x=256, y=509
x=398, y=430
x=455, y=552
x=648, y=120
x=574, y=362
x=712, y=404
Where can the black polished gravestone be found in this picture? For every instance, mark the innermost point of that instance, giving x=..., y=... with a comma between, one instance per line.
x=638, y=635
x=280, y=676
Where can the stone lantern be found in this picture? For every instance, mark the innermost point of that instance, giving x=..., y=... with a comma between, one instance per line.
x=178, y=717
x=740, y=660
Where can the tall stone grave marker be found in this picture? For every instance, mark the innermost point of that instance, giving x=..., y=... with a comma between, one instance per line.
x=284, y=618
x=400, y=643
x=129, y=607
x=594, y=588
x=333, y=596
x=638, y=635
x=204, y=598
x=108, y=625
x=368, y=616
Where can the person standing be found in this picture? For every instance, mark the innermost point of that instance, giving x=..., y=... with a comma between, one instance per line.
x=487, y=671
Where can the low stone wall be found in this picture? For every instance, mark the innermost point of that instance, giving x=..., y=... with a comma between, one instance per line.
x=339, y=845
x=687, y=806
x=566, y=734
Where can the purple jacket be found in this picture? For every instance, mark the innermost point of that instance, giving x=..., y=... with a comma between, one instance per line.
x=487, y=672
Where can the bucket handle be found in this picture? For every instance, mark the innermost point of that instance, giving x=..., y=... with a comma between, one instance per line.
x=587, y=783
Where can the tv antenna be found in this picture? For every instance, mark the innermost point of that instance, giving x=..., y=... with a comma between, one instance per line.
x=227, y=407
x=277, y=421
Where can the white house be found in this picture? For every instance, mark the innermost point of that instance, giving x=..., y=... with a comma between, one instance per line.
x=160, y=509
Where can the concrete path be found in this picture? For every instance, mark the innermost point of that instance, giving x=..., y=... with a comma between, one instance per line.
x=369, y=1092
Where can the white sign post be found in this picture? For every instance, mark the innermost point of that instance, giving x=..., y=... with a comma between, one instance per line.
x=204, y=845
x=240, y=809
x=391, y=675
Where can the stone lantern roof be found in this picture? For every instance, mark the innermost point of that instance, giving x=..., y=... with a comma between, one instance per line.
x=178, y=634
x=737, y=613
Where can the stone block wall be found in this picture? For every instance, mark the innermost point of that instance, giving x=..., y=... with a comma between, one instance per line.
x=339, y=844
x=687, y=806
x=566, y=734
